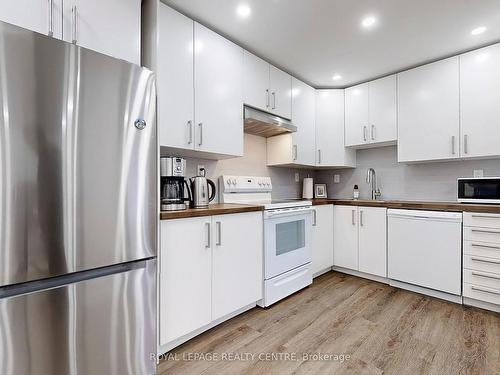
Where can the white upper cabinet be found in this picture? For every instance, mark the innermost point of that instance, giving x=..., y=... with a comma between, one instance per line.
x=371, y=113
x=175, y=79
x=303, y=116
x=382, y=111
x=112, y=27
x=356, y=115
x=480, y=102
x=218, y=82
x=330, y=149
x=428, y=112
x=41, y=16
x=280, y=88
x=256, y=81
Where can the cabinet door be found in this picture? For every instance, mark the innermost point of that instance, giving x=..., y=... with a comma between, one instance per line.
x=237, y=262
x=330, y=150
x=256, y=82
x=322, y=238
x=34, y=15
x=175, y=79
x=303, y=116
x=280, y=86
x=112, y=27
x=480, y=102
x=382, y=110
x=185, y=281
x=356, y=115
x=428, y=112
x=218, y=82
x=345, y=237
x=373, y=240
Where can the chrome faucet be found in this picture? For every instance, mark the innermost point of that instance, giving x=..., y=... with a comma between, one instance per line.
x=371, y=178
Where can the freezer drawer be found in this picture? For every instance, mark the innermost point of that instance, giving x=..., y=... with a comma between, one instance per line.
x=104, y=325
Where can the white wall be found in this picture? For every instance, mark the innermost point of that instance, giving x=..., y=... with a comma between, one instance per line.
x=428, y=181
x=253, y=163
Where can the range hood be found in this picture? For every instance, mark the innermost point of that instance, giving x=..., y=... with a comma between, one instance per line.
x=265, y=124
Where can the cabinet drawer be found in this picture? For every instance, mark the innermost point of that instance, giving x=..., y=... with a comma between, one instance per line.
x=482, y=234
x=473, y=262
x=482, y=293
x=473, y=219
x=487, y=279
x=483, y=249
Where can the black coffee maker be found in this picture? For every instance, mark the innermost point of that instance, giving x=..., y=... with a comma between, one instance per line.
x=174, y=186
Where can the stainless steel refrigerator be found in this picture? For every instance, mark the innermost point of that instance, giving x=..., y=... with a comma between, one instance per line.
x=78, y=210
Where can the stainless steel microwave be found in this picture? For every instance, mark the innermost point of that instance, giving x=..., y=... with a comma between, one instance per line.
x=479, y=190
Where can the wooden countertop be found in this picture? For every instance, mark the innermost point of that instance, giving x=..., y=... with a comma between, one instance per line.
x=213, y=209
x=414, y=205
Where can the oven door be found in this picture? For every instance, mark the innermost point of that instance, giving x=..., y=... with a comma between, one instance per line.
x=287, y=236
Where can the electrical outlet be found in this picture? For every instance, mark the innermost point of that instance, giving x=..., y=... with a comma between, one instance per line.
x=200, y=169
x=336, y=178
x=297, y=177
x=478, y=173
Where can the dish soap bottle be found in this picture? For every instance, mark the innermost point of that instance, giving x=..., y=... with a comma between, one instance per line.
x=355, y=193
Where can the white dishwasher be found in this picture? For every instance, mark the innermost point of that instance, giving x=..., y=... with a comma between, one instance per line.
x=425, y=249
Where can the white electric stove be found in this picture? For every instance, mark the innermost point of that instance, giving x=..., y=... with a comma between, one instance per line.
x=287, y=234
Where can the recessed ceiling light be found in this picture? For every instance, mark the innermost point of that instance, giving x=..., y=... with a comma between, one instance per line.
x=478, y=30
x=336, y=77
x=243, y=10
x=368, y=21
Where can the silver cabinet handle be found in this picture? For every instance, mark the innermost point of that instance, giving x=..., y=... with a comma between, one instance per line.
x=453, y=145
x=190, y=132
x=361, y=218
x=484, y=290
x=294, y=149
x=364, y=133
x=484, y=260
x=466, y=143
x=319, y=156
x=486, y=216
x=209, y=235
x=200, y=138
x=373, y=132
x=352, y=217
x=486, y=276
x=267, y=98
x=486, y=246
x=74, y=21
x=274, y=100
x=51, y=17
x=314, y=218
x=218, y=225
x=485, y=231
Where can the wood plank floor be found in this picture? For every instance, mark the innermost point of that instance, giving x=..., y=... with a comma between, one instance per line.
x=382, y=329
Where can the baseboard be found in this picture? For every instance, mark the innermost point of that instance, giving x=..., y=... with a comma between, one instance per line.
x=380, y=279
x=429, y=292
x=322, y=272
x=481, y=304
x=162, y=349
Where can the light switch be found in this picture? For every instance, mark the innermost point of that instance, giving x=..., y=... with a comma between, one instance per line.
x=297, y=177
x=336, y=178
x=478, y=173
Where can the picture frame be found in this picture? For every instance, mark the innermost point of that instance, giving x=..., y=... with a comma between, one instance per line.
x=320, y=191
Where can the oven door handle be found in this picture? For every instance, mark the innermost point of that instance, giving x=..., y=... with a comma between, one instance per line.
x=285, y=213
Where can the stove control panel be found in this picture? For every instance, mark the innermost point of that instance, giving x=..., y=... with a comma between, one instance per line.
x=245, y=184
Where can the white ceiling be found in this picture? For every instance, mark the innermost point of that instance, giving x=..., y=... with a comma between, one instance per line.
x=315, y=39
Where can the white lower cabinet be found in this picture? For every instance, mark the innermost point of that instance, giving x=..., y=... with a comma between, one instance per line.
x=360, y=239
x=481, y=260
x=209, y=267
x=237, y=262
x=322, y=238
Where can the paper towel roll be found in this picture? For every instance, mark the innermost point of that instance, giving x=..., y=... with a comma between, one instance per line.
x=307, y=188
